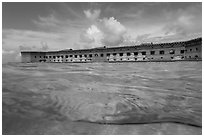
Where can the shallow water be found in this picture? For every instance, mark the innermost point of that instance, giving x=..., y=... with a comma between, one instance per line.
x=53, y=98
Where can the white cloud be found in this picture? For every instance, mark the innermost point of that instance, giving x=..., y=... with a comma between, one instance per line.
x=10, y=56
x=13, y=38
x=113, y=31
x=7, y=52
x=183, y=21
x=92, y=14
x=92, y=35
x=109, y=32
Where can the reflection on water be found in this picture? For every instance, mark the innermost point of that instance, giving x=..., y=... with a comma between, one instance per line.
x=38, y=98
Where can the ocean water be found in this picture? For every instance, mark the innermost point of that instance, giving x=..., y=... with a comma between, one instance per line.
x=102, y=98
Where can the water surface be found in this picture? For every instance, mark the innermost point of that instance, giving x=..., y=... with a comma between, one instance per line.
x=40, y=98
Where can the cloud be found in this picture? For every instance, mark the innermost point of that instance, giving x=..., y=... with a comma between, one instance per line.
x=43, y=47
x=182, y=25
x=92, y=14
x=106, y=31
x=13, y=38
x=92, y=35
x=113, y=31
x=184, y=21
x=7, y=52
x=10, y=56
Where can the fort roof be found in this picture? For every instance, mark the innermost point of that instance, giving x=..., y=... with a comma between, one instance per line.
x=143, y=46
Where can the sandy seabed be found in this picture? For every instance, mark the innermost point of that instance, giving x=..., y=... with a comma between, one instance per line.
x=102, y=98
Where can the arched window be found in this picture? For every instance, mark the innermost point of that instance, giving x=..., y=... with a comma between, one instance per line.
x=152, y=52
x=182, y=51
x=114, y=54
x=161, y=52
x=144, y=53
x=135, y=53
x=172, y=51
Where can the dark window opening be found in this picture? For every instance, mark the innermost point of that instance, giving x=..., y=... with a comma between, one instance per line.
x=182, y=51
x=35, y=57
x=172, y=51
x=50, y=56
x=61, y=56
x=152, y=52
x=90, y=55
x=135, y=58
x=44, y=57
x=161, y=57
x=196, y=56
x=144, y=53
x=85, y=55
x=96, y=55
x=54, y=60
x=161, y=52
x=114, y=59
x=114, y=54
x=75, y=56
x=85, y=59
x=101, y=55
x=66, y=60
x=121, y=59
x=182, y=57
x=143, y=58
x=121, y=54
x=71, y=59
x=152, y=58
x=66, y=56
x=135, y=53
x=70, y=56
x=40, y=56
x=128, y=54
x=80, y=56
x=189, y=56
x=58, y=60
x=190, y=49
x=196, y=49
x=128, y=58
x=58, y=56
x=172, y=57
x=108, y=54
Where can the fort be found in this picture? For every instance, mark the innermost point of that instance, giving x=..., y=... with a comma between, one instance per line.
x=175, y=51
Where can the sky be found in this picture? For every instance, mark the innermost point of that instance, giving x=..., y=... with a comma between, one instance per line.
x=52, y=26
